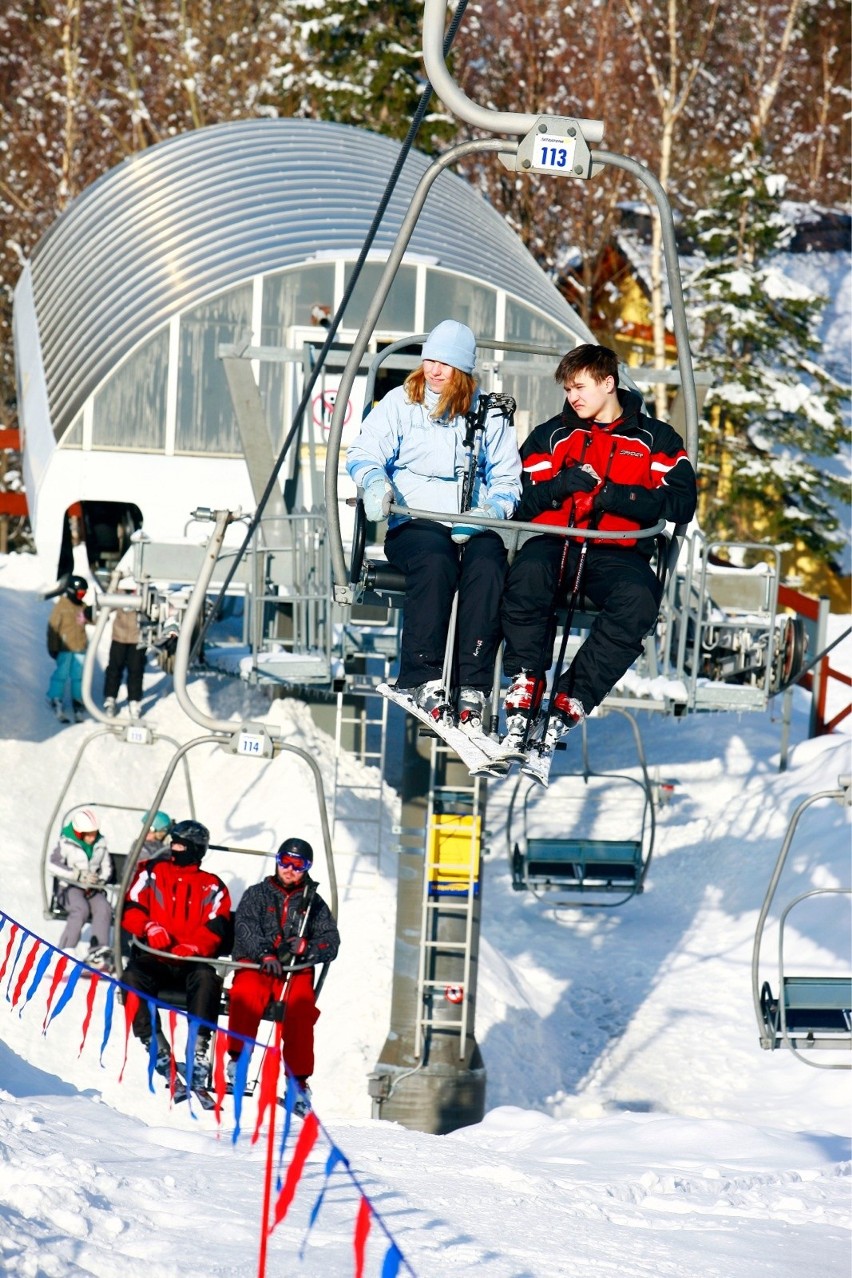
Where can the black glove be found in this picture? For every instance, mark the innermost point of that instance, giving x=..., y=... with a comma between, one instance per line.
x=297, y=945
x=643, y=505
x=572, y=479
x=271, y=966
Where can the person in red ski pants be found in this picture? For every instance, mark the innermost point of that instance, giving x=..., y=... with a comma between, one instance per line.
x=281, y=921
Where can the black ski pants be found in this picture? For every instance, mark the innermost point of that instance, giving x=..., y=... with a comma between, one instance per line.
x=434, y=566
x=124, y=656
x=155, y=978
x=619, y=582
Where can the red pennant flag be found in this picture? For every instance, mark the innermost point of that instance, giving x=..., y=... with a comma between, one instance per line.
x=58, y=974
x=307, y=1139
x=90, y=1003
x=220, y=1043
x=362, y=1229
x=25, y=970
x=270, y=1069
x=131, y=1003
x=173, y=1058
x=12, y=935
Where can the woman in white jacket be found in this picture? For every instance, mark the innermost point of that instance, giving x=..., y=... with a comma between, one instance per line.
x=81, y=860
x=411, y=451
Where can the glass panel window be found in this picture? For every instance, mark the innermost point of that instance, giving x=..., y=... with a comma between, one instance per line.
x=205, y=413
x=525, y=325
x=459, y=298
x=298, y=296
x=73, y=437
x=397, y=314
x=129, y=410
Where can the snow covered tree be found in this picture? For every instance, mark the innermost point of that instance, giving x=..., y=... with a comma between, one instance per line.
x=773, y=413
x=360, y=63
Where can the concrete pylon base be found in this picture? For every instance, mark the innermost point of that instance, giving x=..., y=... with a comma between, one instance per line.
x=436, y=1099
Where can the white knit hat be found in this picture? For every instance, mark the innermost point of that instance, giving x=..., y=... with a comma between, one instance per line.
x=451, y=343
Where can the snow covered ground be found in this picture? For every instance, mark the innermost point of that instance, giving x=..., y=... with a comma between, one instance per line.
x=634, y=1125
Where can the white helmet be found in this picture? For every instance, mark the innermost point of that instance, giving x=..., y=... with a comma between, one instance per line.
x=84, y=821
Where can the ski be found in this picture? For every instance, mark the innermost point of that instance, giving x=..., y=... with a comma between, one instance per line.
x=480, y=759
x=205, y=1098
x=537, y=763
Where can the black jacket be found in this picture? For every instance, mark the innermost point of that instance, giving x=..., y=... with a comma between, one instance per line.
x=268, y=915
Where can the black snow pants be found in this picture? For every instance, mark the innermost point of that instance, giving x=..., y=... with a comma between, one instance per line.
x=619, y=581
x=125, y=656
x=152, y=978
x=434, y=566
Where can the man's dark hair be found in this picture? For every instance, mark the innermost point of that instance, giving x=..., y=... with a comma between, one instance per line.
x=599, y=361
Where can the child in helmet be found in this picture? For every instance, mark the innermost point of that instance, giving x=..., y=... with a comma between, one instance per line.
x=66, y=643
x=178, y=911
x=81, y=861
x=280, y=922
x=155, y=847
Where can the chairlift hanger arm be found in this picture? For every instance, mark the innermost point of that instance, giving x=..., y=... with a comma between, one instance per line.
x=340, y=576
x=434, y=16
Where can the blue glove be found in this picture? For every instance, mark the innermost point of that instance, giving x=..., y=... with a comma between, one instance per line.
x=378, y=496
x=463, y=532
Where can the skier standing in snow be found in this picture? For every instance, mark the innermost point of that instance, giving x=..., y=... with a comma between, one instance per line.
x=282, y=921
x=82, y=862
x=66, y=643
x=125, y=655
x=411, y=451
x=601, y=463
x=181, y=911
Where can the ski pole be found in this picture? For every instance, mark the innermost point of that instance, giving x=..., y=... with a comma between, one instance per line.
x=285, y=988
x=547, y=643
x=572, y=607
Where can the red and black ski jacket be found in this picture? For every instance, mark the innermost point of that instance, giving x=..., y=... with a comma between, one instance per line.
x=642, y=466
x=193, y=906
x=269, y=915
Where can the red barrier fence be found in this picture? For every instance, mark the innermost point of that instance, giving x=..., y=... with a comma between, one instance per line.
x=815, y=612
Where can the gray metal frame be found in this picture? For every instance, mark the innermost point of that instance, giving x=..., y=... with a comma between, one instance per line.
x=770, y=1012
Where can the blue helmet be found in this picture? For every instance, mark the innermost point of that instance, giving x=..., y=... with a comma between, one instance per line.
x=162, y=821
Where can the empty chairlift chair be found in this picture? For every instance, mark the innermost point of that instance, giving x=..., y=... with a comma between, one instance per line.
x=810, y=1013
x=606, y=824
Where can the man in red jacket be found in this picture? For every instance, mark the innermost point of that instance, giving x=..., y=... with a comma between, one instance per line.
x=601, y=463
x=177, y=909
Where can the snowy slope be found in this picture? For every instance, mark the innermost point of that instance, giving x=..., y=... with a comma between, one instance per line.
x=633, y=1126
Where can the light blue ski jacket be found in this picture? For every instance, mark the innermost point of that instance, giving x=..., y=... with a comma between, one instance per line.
x=424, y=459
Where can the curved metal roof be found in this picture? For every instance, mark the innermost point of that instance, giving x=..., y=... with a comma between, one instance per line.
x=208, y=209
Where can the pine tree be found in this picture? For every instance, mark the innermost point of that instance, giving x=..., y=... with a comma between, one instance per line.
x=773, y=411
x=361, y=63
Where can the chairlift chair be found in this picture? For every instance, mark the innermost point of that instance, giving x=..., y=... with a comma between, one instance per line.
x=809, y=1013
x=579, y=869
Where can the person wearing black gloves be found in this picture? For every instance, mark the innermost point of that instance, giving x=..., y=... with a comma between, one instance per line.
x=280, y=922
x=601, y=463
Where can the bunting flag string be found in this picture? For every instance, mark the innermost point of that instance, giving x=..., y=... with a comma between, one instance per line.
x=66, y=975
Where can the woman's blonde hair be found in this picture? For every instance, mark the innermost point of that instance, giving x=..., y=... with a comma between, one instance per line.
x=456, y=397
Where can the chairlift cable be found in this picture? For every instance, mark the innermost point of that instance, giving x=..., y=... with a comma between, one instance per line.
x=334, y=325
x=791, y=683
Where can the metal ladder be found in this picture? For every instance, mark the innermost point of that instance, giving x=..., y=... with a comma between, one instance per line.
x=450, y=892
x=367, y=728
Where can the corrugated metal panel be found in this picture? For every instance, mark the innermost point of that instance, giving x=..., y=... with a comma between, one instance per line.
x=204, y=211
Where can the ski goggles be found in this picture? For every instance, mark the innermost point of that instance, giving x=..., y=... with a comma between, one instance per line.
x=291, y=861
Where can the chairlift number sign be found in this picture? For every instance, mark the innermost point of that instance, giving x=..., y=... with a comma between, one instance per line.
x=250, y=743
x=554, y=153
